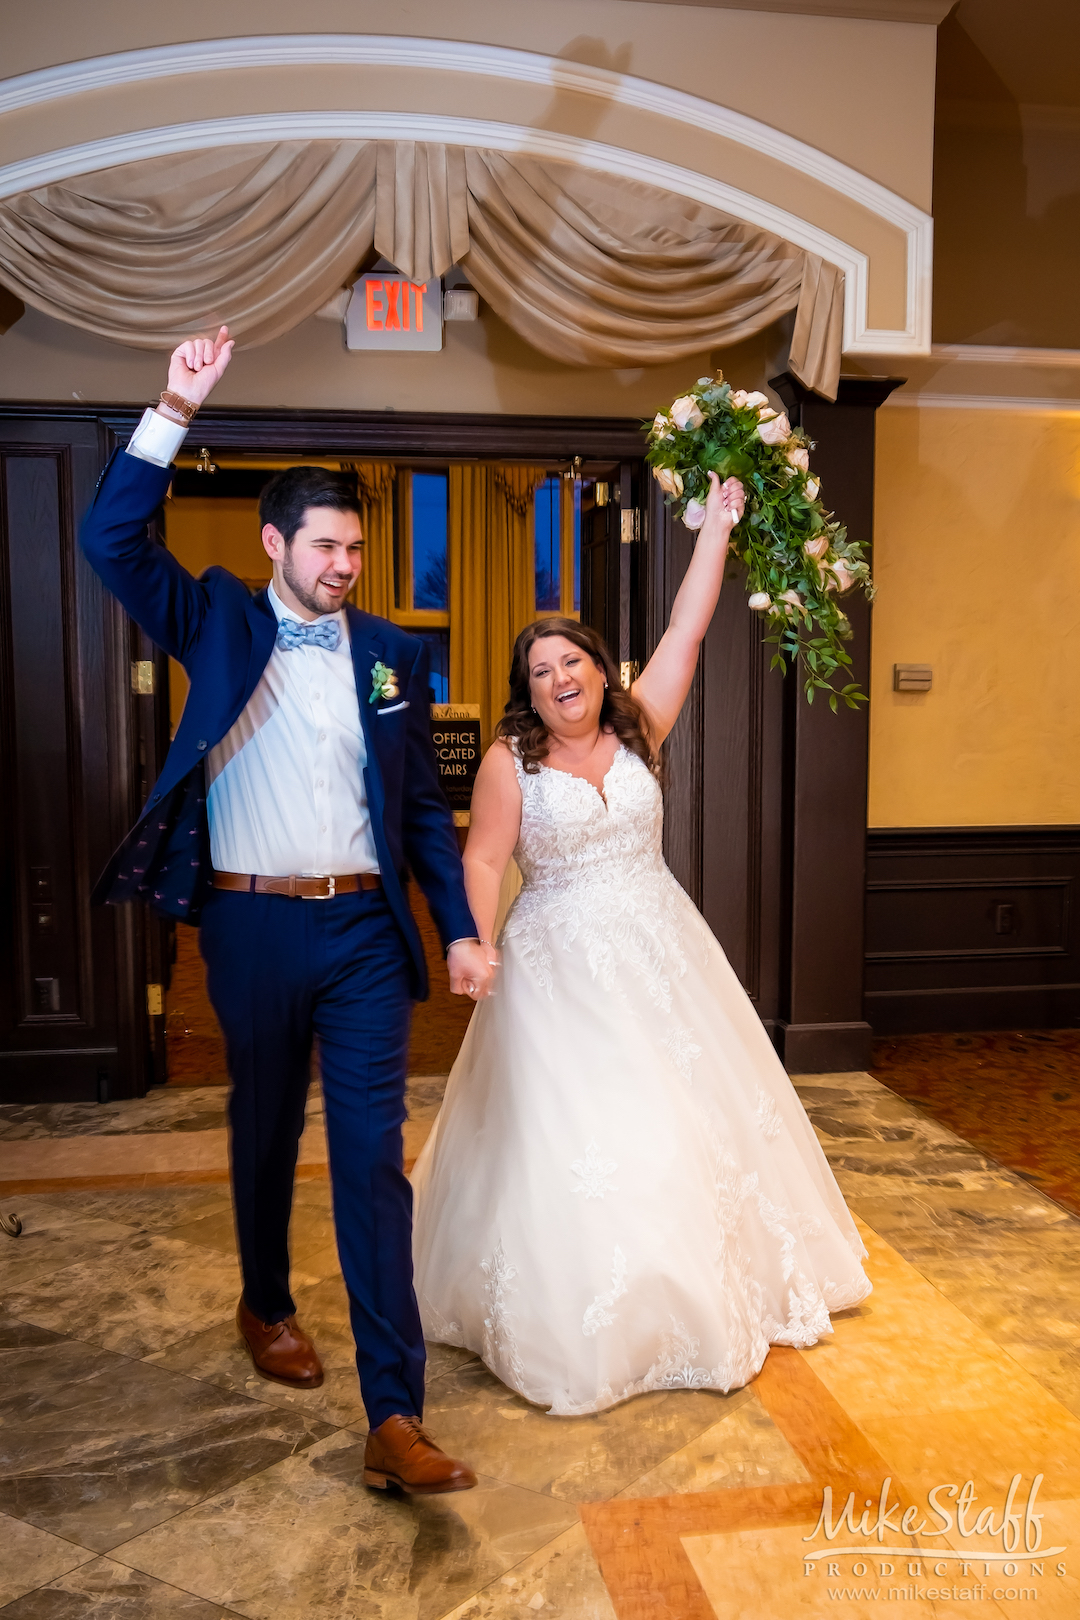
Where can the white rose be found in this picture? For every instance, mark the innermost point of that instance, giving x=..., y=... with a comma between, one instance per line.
x=669, y=480
x=694, y=516
x=843, y=576
x=759, y=600
x=811, y=488
x=747, y=402
x=774, y=430
x=793, y=601
x=799, y=456
x=660, y=425
x=686, y=412
x=817, y=548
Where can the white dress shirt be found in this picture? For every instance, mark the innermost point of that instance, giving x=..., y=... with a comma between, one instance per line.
x=286, y=785
x=156, y=439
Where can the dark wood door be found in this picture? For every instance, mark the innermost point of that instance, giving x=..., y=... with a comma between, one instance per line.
x=600, y=562
x=149, y=743
x=615, y=579
x=73, y=1024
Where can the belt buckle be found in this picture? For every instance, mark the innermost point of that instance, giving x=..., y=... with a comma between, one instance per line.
x=331, y=891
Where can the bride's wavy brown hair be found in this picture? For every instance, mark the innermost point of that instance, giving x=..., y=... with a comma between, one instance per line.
x=521, y=724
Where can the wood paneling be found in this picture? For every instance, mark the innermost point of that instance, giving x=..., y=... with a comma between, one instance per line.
x=972, y=928
x=71, y=1026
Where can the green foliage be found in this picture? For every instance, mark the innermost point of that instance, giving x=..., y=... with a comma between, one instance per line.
x=784, y=514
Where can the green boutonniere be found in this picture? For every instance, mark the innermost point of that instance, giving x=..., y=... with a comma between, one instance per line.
x=383, y=683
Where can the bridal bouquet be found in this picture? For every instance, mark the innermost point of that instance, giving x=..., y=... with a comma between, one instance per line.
x=798, y=558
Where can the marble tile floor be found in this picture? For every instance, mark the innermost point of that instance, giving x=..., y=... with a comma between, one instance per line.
x=1014, y=1094
x=146, y=1472
x=172, y=1136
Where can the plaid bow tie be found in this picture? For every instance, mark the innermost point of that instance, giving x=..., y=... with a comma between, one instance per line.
x=291, y=634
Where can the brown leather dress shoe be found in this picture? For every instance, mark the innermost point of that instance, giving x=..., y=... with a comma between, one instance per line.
x=401, y=1452
x=280, y=1350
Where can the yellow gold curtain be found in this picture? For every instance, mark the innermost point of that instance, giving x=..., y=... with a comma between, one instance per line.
x=374, y=590
x=490, y=556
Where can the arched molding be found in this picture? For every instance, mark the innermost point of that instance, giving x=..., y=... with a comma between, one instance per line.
x=202, y=57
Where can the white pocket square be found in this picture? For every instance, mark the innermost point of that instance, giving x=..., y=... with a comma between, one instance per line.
x=394, y=708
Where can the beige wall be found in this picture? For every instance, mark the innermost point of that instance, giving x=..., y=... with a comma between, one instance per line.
x=484, y=367
x=862, y=91
x=1007, y=210
x=976, y=547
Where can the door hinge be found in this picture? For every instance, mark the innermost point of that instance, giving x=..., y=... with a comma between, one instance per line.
x=630, y=525
x=629, y=670
x=155, y=1000
x=142, y=676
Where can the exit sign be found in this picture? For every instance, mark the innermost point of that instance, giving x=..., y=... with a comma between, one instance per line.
x=388, y=311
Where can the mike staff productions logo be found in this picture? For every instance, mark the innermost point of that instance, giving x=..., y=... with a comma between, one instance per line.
x=957, y=1548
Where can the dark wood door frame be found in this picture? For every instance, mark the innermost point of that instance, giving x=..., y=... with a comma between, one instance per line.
x=766, y=799
x=397, y=434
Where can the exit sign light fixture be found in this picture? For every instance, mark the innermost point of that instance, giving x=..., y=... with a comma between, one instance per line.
x=388, y=311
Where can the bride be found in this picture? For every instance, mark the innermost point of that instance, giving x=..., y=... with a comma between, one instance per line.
x=622, y=1192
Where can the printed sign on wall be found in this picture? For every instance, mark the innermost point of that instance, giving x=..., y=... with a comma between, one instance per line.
x=455, y=732
x=388, y=311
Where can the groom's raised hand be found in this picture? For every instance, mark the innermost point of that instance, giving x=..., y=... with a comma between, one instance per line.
x=198, y=365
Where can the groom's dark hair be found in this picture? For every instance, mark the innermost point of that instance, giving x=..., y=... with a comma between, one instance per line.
x=291, y=493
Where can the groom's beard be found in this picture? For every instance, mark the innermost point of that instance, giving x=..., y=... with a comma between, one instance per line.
x=306, y=598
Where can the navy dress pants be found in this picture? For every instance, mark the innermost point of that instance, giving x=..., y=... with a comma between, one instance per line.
x=281, y=972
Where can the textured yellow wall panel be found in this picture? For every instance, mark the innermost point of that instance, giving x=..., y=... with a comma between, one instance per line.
x=977, y=544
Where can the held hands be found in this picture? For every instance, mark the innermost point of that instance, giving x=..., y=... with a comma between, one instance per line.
x=473, y=968
x=197, y=365
x=724, y=505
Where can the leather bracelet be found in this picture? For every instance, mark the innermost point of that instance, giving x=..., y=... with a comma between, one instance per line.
x=184, y=408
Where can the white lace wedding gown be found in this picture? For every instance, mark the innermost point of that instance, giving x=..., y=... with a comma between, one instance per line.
x=622, y=1191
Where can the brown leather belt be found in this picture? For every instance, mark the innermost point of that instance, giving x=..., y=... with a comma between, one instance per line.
x=297, y=888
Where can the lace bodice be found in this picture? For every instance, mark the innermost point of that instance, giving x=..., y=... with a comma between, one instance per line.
x=570, y=835
x=595, y=872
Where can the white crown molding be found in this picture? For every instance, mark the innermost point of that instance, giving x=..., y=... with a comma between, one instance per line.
x=984, y=402
x=991, y=354
x=494, y=61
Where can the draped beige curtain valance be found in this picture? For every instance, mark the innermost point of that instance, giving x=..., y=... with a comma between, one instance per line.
x=591, y=269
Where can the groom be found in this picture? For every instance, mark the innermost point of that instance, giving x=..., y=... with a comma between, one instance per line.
x=300, y=784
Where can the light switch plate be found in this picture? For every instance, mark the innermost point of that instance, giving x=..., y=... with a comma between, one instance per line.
x=912, y=677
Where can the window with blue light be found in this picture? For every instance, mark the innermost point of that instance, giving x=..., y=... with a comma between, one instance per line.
x=548, y=532
x=577, y=545
x=437, y=643
x=429, y=509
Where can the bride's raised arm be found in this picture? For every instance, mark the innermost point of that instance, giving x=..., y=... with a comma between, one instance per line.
x=662, y=686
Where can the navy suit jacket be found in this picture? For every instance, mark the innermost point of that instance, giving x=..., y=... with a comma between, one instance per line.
x=223, y=636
